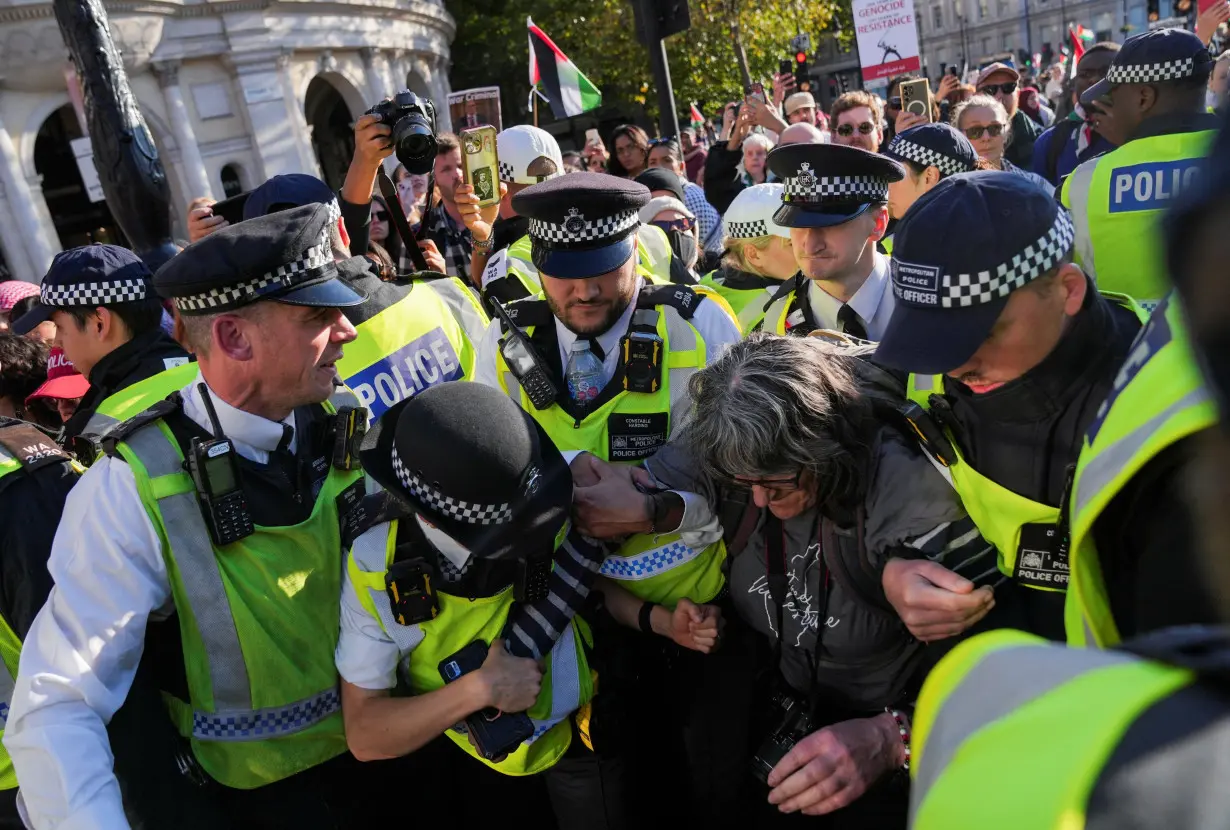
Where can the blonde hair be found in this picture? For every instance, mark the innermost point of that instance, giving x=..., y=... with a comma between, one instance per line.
x=987, y=102
x=734, y=252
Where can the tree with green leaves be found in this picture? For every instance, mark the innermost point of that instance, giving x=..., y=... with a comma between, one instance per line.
x=600, y=38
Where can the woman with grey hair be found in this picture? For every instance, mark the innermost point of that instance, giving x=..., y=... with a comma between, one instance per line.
x=794, y=446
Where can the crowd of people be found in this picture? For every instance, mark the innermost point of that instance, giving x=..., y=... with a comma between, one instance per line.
x=830, y=470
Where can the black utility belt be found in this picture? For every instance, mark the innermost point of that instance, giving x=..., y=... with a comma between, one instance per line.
x=1042, y=557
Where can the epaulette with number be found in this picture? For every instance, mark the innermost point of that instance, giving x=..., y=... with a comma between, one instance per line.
x=679, y=297
x=379, y=507
x=529, y=312
x=122, y=430
x=30, y=445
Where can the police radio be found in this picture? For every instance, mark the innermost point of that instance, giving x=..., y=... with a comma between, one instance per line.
x=524, y=363
x=215, y=473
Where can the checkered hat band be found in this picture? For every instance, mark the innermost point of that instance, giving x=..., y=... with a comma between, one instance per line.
x=506, y=172
x=335, y=213
x=947, y=165
x=92, y=294
x=1151, y=73
x=963, y=290
x=834, y=189
x=285, y=276
x=578, y=230
x=747, y=230
x=471, y=513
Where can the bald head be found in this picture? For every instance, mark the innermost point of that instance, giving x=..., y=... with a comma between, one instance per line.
x=801, y=133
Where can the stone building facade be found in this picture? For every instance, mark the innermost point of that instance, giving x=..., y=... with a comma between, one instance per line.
x=233, y=91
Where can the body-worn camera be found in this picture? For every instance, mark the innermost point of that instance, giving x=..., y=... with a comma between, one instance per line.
x=413, y=121
x=792, y=724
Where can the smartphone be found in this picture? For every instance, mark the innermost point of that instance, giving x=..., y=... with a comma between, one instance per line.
x=495, y=733
x=916, y=97
x=785, y=67
x=592, y=137
x=231, y=209
x=756, y=91
x=480, y=164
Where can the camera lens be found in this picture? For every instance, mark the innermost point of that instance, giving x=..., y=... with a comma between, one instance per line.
x=415, y=143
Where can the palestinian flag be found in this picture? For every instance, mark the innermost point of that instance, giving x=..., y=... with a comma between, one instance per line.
x=1079, y=37
x=698, y=120
x=557, y=78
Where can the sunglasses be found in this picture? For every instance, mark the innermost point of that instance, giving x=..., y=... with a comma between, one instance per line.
x=975, y=133
x=775, y=488
x=661, y=142
x=379, y=215
x=682, y=225
x=991, y=89
x=847, y=130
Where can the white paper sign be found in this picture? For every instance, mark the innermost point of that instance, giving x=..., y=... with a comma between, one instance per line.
x=85, y=164
x=887, y=37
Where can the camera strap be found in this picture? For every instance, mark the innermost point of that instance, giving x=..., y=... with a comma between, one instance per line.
x=389, y=191
x=775, y=571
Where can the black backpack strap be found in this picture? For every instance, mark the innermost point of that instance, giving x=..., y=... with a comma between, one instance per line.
x=739, y=516
x=680, y=275
x=848, y=559
x=121, y=431
x=679, y=297
x=1055, y=149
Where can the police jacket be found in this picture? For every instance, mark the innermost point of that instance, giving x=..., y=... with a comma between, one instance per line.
x=1026, y=435
x=841, y=642
x=141, y=357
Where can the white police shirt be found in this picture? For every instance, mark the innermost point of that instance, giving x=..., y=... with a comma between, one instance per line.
x=873, y=302
x=81, y=653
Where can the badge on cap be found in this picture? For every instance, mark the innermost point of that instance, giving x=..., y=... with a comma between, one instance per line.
x=575, y=222
x=806, y=178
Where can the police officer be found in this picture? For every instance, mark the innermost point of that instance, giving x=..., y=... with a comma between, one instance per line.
x=412, y=332
x=929, y=153
x=759, y=254
x=1013, y=350
x=35, y=478
x=649, y=340
x=1151, y=102
x=225, y=567
x=529, y=156
x=833, y=201
x=109, y=324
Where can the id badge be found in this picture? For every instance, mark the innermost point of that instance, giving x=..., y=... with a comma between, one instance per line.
x=1042, y=558
x=635, y=437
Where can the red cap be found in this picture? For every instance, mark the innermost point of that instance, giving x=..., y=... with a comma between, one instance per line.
x=63, y=380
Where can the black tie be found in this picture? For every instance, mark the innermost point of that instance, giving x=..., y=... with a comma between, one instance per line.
x=594, y=346
x=848, y=319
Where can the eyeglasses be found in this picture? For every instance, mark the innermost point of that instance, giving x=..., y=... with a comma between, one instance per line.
x=847, y=130
x=775, y=488
x=975, y=133
x=683, y=224
x=1006, y=88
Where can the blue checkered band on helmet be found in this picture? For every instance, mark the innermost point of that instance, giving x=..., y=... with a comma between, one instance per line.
x=309, y=267
x=577, y=230
x=469, y=512
x=4, y=714
x=747, y=230
x=808, y=187
x=92, y=294
x=262, y=724
x=649, y=563
x=905, y=149
x=1152, y=73
x=964, y=290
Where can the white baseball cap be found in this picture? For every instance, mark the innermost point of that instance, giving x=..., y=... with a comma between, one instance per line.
x=660, y=203
x=519, y=147
x=750, y=215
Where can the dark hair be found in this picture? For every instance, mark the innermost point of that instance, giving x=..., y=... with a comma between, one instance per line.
x=853, y=100
x=634, y=134
x=385, y=263
x=22, y=306
x=138, y=317
x=896, y=81
x=392, y=243
x=1102, y=46
x=672, y=147
x=446, y=143
x=23, y=366
x=399, y=173
x=573, y=163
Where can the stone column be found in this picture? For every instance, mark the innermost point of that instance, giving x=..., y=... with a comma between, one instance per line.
x=12, y=243
x=39, y=246
x=392, y=62
x=191, y=163
x=275, y=116
x=373, y=74
x=430, y=66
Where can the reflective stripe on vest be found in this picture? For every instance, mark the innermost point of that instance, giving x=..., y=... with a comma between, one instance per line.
x=424, y=646
x=650, y=563
x=1117, y=201
x=747, y=303
x=414, y=344
x=1158, y=399
x=139, y=397
x=1007, y=706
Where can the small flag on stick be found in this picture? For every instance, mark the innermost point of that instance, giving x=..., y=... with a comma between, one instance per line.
x=567, y=90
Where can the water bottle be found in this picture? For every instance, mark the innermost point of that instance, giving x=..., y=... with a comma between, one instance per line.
x=584, y=373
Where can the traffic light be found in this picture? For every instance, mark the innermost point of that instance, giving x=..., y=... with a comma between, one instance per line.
x=1182, y=8
x=843, y=82
x=1025, y=58
x=1153, y=13
x=802, y=76
x=1048, y=54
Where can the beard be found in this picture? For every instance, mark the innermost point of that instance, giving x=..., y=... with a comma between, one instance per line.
x=614, y=308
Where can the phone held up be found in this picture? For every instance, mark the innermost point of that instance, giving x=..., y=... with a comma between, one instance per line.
x=480, y=164
x=916, y=97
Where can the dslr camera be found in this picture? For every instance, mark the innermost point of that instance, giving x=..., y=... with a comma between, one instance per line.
x=793, y=724
x=413, y=121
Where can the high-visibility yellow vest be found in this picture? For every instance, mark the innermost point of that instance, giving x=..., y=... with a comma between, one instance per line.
x=517, y=276
x=423, y=339
x=1158, y=398
x=258, y=621
x=630, y=427
x=1117, y=200
x=10, y=645
x=999, y=513
x=567, y=682
x=1008, y=707
x=748, y=304
x=139, y=397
